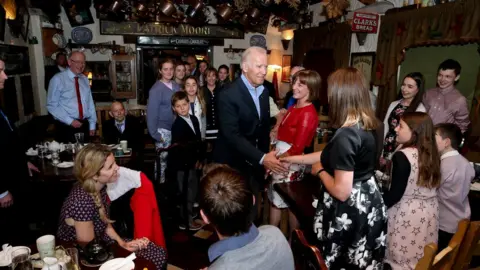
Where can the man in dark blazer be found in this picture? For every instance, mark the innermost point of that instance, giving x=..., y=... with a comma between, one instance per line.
x=123, y=127
x=50, y=71
x=15, y=172
x=244, y=127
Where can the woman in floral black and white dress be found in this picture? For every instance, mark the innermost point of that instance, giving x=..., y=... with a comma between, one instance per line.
x=351, y=219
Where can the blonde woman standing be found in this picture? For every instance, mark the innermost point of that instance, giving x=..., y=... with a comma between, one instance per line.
x=84, y=214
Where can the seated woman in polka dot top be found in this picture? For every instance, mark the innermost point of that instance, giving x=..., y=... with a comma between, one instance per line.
x=84, y=214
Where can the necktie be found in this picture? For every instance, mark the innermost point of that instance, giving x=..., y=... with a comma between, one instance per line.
x=119, y=126
x=79, y=99
x=6, y=119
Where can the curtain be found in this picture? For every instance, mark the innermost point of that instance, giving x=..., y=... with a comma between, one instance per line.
x=445, y=24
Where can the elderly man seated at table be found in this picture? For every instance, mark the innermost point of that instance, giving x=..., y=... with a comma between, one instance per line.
x=226, y=204
x=85, y=212
x=121, y=127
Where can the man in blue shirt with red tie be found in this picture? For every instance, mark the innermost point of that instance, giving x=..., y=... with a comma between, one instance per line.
x=70, y=101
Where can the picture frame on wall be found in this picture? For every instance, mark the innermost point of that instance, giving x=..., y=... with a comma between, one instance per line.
x=78, y=15
x=286, y=67
x=365, y=63
x=235, y=71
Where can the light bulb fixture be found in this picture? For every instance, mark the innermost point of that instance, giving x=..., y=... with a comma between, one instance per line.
x=285, y=44
x=287, y=35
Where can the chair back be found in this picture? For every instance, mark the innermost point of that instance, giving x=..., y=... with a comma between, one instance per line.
x=445, y=259
x=306, y=256
x=425, y=263
x=468, y=247
x=137, y=110
x=103, y=114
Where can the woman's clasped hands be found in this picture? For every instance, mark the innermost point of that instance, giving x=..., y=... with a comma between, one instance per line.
x=137, y=244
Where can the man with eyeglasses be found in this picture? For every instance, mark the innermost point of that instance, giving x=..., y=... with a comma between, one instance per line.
x=70, y=101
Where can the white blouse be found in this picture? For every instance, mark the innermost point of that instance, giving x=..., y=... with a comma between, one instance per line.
x=202, y=120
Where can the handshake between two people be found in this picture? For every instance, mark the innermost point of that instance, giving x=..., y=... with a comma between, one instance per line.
x=274, y=163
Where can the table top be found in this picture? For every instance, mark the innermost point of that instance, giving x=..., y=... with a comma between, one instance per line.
x=118, y=252
x=299, y=196
x=49, y=172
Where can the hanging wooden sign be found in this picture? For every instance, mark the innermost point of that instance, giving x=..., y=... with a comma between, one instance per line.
x=365, y=22
x=153, y=29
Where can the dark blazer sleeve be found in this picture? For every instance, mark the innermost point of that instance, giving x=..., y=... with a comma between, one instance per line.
x=229, y=127
x=4, y=161
x=14, y=164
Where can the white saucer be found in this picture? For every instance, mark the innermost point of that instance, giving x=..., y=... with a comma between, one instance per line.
x=65, y=164
x=31, y=153
x=109, y=265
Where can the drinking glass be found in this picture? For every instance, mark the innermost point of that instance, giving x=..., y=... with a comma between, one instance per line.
x=42, y=151
x=79, y=138
x=21, y=259
x=73, y=264
x=69, y=148
x=55, y=157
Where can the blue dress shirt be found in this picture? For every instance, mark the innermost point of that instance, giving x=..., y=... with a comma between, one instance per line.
x=254, y=92
x=231, y=243
x=62, y=100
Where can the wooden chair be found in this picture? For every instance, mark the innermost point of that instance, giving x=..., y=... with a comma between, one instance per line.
x=140, y=111
x=103, y=114
x=469, y=247
x=426, y=261
x=137, y=110
x=446, y=258
x=306, y=256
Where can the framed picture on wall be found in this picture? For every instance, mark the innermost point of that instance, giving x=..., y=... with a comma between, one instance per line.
x=286, y=66
x=365, y=62
x=78, y=15
x=235, y=71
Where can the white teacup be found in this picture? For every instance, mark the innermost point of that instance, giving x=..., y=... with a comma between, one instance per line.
x=46, y=246
x=124, y=145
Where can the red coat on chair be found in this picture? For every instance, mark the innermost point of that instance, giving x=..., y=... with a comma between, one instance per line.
x=147, y=221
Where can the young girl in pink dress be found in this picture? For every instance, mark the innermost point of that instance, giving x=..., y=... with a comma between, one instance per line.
x=412, y=198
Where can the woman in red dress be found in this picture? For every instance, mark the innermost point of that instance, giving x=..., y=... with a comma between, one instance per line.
x=296, y=131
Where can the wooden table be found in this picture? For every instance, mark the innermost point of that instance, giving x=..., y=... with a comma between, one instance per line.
x=299, y=196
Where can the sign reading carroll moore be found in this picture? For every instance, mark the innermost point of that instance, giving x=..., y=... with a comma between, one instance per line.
x=152, y=29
